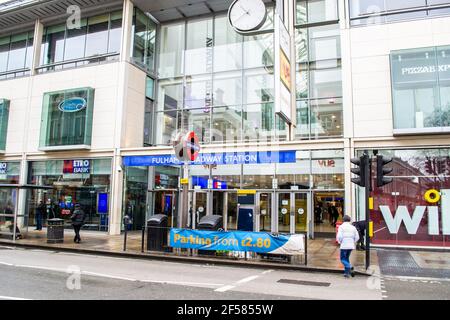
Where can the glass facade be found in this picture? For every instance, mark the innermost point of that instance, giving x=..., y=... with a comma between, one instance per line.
x=4, y=117
x=16, y=53
x=366, y=12
x=144, y=41
x=421, y=89
x=402, y=214
x=217, y=83
x=97, y=39
x=90, y=189
x=319, y=78
x=67, y=118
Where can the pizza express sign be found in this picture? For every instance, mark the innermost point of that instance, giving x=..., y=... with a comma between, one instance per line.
x=77, y=167
x=412, y=68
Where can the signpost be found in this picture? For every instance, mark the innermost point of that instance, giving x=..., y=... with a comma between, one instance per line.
x=187, y=149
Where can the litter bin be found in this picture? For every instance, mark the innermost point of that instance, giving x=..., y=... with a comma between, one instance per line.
x=157, y=232
x=210, y=223
x=55, y=231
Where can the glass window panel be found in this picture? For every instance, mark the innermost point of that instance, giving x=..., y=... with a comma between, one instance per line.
x=227, y=46
x=302, y=82
x=326, y=83
x=321, y=10
x=17, y=54
x=324, y=43
x=227, y=89
x=148, y=123
x=226, y=124
x=115, y=32
x=140, y=34
x=170, y=95
x=150, y=88
x=97, y=36
x=4, y=52
x=404, y=4
x=53, y=46
x=230, y=174
x=258, y=176
x=75, y=42
x=415, y=88
x=167, y=124
x=4, y=119
x=259, y=121
x=198, y=93
x=199, y=121
x=29, y=55
x=199, y=47
x=61, y=128
x=362, y=7
x=258, y=51
x=326, y=118
x=301, y=17
x=259, y=86
x=301, y=43
x=303, y=123
x=171, y=52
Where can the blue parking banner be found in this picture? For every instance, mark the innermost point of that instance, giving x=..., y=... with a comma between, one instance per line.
x=259, y=242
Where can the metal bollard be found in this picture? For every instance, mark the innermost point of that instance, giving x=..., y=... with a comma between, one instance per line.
x=142, y=239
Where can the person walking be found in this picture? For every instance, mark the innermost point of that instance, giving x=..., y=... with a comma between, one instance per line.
x=40, y=210
x=347, y=237
x=361, y=227
x=334, y=215
x=77, y=218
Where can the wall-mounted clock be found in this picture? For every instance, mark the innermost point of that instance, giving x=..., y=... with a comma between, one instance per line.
x=247, y=15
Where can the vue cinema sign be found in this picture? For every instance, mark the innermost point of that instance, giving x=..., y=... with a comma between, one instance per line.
x=412, y=223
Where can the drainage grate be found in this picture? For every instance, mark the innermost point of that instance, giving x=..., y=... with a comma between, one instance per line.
x=305, y=283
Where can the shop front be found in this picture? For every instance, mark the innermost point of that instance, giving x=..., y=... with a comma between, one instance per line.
x=69, y=182
x=9, y=189
x=413, y=210
x=274, y=193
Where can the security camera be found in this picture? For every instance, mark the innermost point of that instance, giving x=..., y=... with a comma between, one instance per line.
x=119, y=168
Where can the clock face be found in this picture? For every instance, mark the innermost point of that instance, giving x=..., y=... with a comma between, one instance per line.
x=247, y=15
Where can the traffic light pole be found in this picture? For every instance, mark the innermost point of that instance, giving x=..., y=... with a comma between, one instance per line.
x=367, y=177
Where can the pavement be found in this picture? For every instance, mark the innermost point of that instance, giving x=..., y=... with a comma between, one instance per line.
x=414, y=275
x=323, y=254
x=54, y=275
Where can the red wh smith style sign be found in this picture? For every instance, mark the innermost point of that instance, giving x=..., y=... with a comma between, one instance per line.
x=412, y=222
x=77, y=166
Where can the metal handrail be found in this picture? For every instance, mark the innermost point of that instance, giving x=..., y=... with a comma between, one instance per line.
x=60, y=63
x=406, y=10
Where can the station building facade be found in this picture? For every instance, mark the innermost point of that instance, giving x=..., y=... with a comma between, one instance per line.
x=89, y=108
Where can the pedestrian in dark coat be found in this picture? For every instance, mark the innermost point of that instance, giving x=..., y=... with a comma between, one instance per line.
x=77, y=218
x=361, y=228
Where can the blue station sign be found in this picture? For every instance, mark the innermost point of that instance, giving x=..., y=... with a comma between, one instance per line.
x=214, y=159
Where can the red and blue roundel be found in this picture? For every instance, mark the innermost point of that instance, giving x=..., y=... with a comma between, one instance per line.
x=192, y=146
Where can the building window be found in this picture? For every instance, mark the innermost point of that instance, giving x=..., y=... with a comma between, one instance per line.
x=319, y=76
x=67, y=119
x=314, y=11
x=421, y=90
x=97, y=39
x=216, y=82
x=16, y=53
x=366, y=12
x=4, y=115
x=144, y=40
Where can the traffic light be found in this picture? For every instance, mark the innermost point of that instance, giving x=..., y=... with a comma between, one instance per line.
x=360, y=170
x=382, y=171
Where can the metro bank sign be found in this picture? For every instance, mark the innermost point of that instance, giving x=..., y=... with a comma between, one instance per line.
x=77, y=167
x=412, y=223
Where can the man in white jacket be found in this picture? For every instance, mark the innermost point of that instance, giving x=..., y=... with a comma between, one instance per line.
x=347, y=237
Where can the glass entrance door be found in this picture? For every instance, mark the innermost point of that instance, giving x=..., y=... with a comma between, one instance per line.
x=199, y=206
x=293, y=212
x=264, y=211
x=328, y=210
x=166, y=203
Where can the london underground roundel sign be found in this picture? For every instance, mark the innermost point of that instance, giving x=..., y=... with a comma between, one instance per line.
x=192, y=146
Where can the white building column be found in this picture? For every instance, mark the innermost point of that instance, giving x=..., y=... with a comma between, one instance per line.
x=117, y=182
x=37, y=44
x=22, y=195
